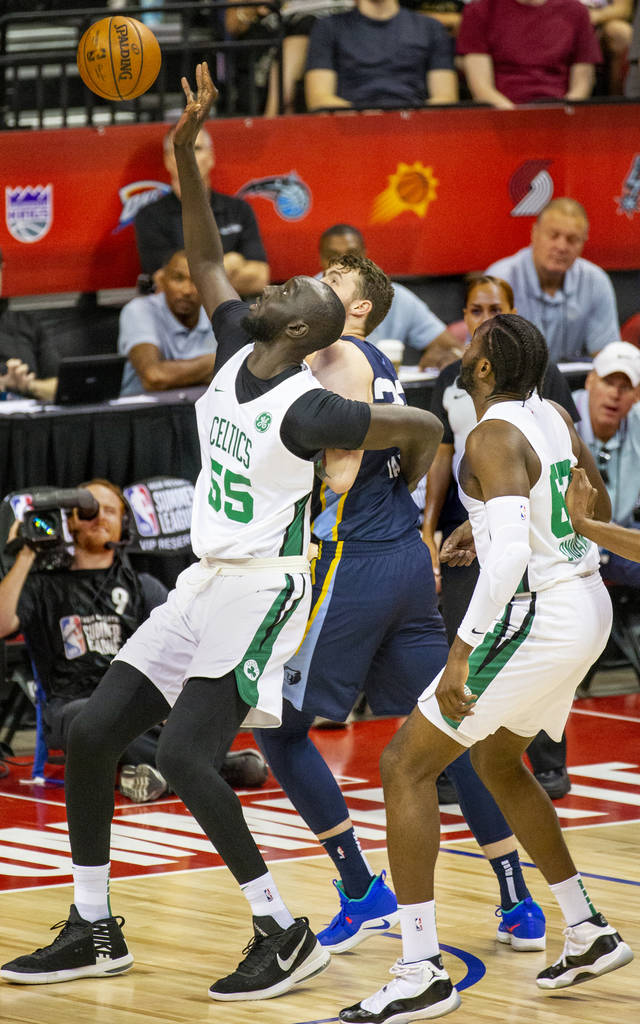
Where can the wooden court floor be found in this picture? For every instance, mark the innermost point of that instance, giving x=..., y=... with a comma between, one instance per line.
x=186, y=921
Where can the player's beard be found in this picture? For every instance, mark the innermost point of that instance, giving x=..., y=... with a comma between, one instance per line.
x=259, y=327
x=465, y=378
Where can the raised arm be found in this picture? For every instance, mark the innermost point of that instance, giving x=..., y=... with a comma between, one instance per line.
x=201, y=236
x=11, y=587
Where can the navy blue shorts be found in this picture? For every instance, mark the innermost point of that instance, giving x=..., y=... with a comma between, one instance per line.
x=374, y=627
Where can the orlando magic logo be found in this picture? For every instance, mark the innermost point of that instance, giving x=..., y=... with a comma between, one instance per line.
x=288, y=193
x=629, y=201
x=531, y=188
x=29, y=212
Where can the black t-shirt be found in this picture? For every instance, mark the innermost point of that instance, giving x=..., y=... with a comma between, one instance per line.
x=76, y=621
x=159, y=234
x=318, y=419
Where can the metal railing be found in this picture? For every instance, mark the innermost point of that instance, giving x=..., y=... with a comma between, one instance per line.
x=40, y=85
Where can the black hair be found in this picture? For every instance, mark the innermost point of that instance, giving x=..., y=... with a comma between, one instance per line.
x=373, y=284
x=517, y=352
x=341, y=229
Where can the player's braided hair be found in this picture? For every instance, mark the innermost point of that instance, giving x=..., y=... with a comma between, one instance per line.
x=373, y=285
x=518, y=355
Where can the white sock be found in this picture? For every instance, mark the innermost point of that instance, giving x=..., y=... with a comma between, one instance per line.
x=265, y=900
x=419, y=935
x=91, y=891
x=573, y=900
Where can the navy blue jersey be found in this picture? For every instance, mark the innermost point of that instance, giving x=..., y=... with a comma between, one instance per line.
x=378, y=507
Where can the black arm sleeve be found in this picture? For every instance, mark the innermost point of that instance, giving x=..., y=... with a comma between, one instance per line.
x=321, y=419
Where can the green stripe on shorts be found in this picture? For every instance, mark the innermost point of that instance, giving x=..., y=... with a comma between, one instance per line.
x=293, y=538
x=487, y=660
x=251, y=665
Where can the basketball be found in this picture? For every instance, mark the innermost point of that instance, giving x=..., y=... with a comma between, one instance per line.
x=118, y=58
x=412, y=187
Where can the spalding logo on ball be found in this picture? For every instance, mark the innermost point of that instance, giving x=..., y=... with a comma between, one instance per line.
x=119, y=58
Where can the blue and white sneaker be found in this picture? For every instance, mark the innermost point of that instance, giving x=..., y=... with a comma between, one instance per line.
x=523, y=927
x=358, y=920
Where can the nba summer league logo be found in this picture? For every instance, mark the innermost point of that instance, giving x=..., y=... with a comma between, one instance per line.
x=29, y=211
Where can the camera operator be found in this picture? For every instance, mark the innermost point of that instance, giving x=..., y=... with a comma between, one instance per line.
x=76, y=618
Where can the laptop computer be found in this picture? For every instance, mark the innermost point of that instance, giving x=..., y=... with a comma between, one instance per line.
x=86, y=380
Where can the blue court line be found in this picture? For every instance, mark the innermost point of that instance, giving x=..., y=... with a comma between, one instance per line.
x=530, y=864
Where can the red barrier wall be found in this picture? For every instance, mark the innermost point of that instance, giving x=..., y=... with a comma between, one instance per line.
x=434, y=192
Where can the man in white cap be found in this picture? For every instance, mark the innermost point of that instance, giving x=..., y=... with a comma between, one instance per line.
x=610, y=426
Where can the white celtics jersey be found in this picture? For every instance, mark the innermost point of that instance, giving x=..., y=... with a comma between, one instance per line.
x=557, y=553
x=252, y=494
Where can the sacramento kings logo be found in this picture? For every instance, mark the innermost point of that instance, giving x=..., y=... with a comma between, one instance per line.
x=29, y=212
x=263, y=421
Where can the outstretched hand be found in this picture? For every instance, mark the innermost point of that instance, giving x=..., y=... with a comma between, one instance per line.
x=197, y=107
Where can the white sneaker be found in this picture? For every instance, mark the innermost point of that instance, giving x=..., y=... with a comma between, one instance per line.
x=591, y=948
x=419, y=991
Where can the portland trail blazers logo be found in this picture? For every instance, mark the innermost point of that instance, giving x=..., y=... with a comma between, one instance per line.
x=531, y=188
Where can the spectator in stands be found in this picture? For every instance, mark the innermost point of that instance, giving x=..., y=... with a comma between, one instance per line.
x=21, y=338
x=612, y=22
x=610, y=426
x=298, y=18
x=77, y=617
x=379, y=55
x=570, y=299
x=166, y=336
x=409, y=320
x=520, y=51
x=632, y=81
x=158, y=225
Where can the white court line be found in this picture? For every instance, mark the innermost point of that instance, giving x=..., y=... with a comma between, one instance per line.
x=604, y=714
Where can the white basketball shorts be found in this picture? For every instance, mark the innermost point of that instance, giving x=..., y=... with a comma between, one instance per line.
x=214, y=624
x=526, y=670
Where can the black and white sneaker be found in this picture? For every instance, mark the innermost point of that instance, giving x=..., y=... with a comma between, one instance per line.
x=81, y=950
x=419, y=991
x=275, y=960
x=591, y=948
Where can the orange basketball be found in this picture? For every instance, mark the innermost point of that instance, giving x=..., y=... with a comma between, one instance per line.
x=412, y=187
x=118, y=58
